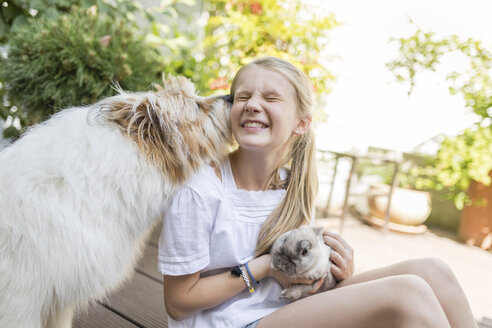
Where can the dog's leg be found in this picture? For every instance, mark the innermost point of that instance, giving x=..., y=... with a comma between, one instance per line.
x=25, y=322
x=61, y=318
x=21, y=314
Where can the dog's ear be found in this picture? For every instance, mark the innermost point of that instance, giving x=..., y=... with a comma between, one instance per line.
x=318, y=231
x=227, y=98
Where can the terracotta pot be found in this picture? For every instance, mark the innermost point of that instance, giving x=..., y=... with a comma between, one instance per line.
x=476, y=221
x=408, y=206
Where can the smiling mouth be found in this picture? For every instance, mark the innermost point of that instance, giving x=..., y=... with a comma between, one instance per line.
x=254, y=125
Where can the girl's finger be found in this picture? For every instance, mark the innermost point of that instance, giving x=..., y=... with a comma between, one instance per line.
x=317, y=285
x=338, y=260
x=344, y=249
x=338, y=273
x=334, y=244
x=337, y=237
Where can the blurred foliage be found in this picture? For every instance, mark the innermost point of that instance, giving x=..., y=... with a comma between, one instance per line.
x=60, y=53
x=381, y=163
x=52, y=65
x=460, y=160
x=66, y=53
x=238, y=31
x=17, y=13
x=468, y=156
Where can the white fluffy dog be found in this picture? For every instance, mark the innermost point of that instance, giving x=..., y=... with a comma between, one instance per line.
x=80, y=193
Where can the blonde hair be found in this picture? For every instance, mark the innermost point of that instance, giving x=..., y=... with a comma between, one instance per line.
x=297, y=207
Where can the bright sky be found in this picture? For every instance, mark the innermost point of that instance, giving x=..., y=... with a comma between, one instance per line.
x=366, y=107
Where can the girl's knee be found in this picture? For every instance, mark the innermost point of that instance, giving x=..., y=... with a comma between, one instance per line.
x=413, y=301
x=431, y=270
x=409, y=293
x=410, y=285
x=439, y=268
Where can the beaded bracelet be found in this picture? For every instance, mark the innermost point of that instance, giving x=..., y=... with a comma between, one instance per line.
x=239, y=271
x=255, y=282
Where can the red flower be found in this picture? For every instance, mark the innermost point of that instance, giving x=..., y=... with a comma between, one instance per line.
x=219, y=83
x=256, y=8
x=105, y=41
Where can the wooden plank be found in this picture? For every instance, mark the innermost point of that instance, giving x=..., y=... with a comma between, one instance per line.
x=97, y=316
x=148, y=263
x=141, y=300
x=485, y=323
x=487, y=320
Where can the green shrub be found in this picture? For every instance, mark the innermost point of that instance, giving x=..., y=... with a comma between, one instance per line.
x=74, y=60
x=466, y=157
x=460, y=160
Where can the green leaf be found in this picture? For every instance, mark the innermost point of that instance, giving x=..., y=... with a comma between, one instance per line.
x=172, y=11
x=459, y=201
x=10, y=132
x=190, y=3
x=3, y=29
x=166, y=3
x=88, y=3
x=12, y=11
x=19, y=22
x=52, y=13
x=38, y=5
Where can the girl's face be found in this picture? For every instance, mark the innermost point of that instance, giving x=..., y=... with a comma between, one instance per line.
x=264, y=114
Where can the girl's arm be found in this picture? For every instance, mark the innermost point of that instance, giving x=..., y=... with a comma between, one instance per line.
x=185, y=295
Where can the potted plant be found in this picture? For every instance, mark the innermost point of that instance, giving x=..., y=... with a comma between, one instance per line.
x=463, y=164
x=394, y=196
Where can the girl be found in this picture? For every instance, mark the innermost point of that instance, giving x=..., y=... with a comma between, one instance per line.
x=214, y=244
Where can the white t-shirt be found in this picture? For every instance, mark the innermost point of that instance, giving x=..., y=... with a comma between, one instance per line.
x=211, y=226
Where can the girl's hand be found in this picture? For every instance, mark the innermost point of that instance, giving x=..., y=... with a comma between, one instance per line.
x=285, y=281
x=342, y=256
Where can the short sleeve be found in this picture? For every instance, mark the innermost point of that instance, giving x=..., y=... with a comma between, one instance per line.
x=184, y=243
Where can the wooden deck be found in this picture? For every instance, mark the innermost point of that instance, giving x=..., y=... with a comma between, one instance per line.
x=139, y=303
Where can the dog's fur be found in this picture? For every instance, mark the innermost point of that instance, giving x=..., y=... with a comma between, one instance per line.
x=80, y=193
x=302, y=254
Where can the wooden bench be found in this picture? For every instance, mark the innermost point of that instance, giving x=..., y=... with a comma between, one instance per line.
x=140, y=302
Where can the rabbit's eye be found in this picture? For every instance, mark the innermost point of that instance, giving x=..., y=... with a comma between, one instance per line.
x=304, y=251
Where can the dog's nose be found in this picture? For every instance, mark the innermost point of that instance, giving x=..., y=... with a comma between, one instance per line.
x=227, y=98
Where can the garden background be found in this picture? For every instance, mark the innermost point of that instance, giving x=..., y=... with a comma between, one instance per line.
x=405, y=79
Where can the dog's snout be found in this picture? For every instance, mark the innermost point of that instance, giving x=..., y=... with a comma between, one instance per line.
x=227, y=98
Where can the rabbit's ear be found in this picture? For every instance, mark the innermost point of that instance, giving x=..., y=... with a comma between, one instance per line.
x=318, y=231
